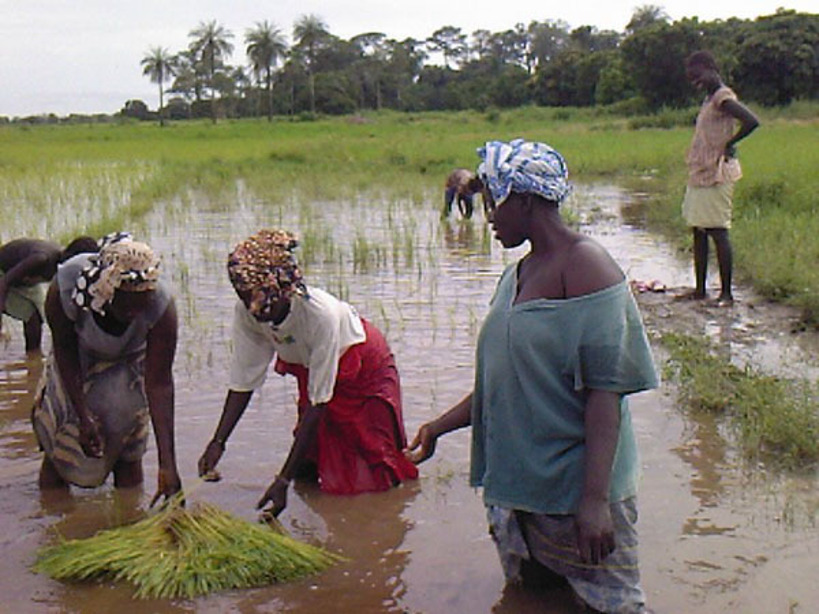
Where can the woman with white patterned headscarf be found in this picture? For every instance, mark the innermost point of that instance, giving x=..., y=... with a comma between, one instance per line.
x=114, y=328
x=561, y=347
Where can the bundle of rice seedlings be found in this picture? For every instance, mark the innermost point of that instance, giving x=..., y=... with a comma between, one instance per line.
x=185, y=552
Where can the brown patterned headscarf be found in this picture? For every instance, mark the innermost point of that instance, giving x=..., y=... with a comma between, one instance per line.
x=264, y=266
x=121, y=263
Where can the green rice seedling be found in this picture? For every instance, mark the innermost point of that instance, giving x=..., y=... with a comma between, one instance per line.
x=366, y=254
x=185, y=552
x=774, y=419
x=385, y=319
x=107, y=176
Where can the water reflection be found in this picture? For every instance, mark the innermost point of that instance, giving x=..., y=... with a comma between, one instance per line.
x=516, y=599
x=423, y=547
x=369, y=530
x=18, y=384
x=460, y=235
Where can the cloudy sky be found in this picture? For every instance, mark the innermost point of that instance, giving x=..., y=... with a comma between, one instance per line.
x=83, y=56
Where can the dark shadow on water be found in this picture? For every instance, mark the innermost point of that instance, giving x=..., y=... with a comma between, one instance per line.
x=368, y=530
x=517, y=599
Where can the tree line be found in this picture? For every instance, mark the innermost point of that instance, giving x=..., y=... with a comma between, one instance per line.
x=771, y=60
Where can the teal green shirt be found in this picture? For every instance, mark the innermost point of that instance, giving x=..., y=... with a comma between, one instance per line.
x=536, y=362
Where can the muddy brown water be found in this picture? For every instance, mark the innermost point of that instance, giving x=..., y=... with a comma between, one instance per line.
x=715, y=534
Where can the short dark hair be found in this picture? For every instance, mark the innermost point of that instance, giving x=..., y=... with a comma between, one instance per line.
x=80, y=245
x=702, y=58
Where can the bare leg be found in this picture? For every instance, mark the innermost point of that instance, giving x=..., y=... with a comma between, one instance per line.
x=128, y=474
x=725, y=260
x=466, y=206
x=50, y=479
x=449, y=198
x=33, y=331
x=700, y=261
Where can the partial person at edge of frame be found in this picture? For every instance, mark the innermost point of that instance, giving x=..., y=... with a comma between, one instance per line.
x=26, y=267
x=350, y=431
x=114, y=329
x=713, y=170
x=561, y=347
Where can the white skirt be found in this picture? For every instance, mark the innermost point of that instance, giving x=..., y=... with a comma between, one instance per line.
x=709, y=207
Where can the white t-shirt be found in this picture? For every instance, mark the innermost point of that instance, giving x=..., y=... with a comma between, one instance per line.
x=315, y=334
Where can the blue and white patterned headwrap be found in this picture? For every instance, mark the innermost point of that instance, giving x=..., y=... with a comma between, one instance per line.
x=524, y=167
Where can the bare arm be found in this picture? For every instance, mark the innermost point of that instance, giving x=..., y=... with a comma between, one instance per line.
x=34, y=265
x=595, y=529
x=748, y=122
x=305, y=436
x=159, y=388
x=67, y=358
x=459, y=416
x=235, y=404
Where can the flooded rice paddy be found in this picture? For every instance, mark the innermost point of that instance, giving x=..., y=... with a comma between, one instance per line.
x=715, y=535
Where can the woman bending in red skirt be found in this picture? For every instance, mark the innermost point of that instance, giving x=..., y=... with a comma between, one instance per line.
x=350, y=426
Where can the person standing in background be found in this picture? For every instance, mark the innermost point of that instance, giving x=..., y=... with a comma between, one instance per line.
x=713, y=169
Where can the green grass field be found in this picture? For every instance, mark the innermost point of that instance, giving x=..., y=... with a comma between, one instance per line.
x=58, y=181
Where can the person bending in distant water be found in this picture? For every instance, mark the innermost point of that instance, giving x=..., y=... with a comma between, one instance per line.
x=114, y=329
x=350, y=429
x=561, y=347
x=461, y=185
x=26, y=267
x=713, y=169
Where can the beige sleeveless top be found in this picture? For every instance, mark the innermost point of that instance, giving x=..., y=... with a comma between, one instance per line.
x=706, y=164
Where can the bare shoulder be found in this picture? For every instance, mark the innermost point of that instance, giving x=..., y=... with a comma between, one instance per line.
x=590, y=268
x=19, y=250
x=168, y=322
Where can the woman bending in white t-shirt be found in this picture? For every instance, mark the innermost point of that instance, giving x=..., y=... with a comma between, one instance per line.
x=350, y=430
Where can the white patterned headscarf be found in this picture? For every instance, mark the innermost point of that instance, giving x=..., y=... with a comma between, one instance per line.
x=524, y=167
x=121, y=263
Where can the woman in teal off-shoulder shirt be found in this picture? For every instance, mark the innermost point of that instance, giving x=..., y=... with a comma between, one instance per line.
x=561, y=347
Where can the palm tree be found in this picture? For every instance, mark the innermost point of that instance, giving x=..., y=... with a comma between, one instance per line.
x=265, y=46
x=210, y=43
x=308, y=31
x=645, y=16
x=158, y=64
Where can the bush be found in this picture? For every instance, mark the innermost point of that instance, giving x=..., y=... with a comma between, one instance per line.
x=665, y=119
x=629, y=107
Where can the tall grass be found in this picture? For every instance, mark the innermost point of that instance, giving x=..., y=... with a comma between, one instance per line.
x=774, y=419
x=63, y=180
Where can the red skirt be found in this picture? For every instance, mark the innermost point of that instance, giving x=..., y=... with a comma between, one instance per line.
x=360, y=439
